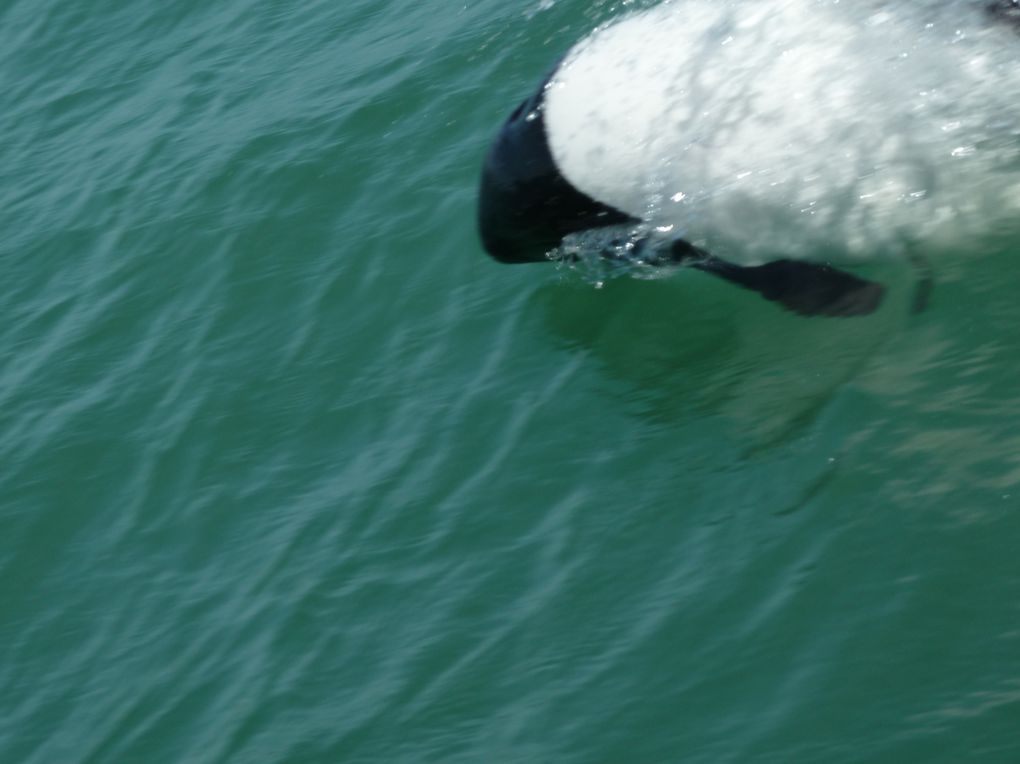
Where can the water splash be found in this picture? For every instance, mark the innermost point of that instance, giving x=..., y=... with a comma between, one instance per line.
x=600, y=254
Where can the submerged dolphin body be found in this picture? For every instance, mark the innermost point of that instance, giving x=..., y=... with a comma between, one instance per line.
x=746, y=139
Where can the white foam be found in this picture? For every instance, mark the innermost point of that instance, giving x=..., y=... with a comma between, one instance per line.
x=797, y=127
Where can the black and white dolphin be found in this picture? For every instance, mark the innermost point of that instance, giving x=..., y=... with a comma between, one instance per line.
x=759, y=141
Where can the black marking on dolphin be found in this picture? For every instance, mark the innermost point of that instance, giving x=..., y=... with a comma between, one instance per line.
x=1006, y=11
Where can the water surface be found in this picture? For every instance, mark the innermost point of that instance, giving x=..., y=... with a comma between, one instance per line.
x=291, y=472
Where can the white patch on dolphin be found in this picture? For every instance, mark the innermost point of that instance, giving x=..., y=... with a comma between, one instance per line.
x=796, y=128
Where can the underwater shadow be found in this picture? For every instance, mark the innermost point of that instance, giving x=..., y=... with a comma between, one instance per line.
x=688, y=347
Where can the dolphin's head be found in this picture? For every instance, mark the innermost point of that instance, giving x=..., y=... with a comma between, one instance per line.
x=526, y=206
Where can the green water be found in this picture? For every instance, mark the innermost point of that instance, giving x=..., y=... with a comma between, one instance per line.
x=291, y=472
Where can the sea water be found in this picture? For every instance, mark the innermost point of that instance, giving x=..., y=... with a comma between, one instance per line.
x=290, y=471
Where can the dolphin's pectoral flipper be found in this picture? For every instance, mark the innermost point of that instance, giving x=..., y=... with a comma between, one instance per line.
x=809, y=289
